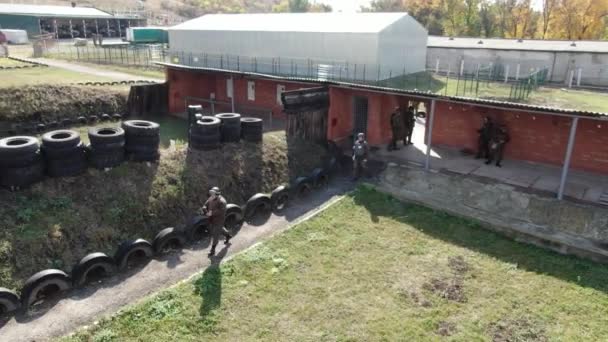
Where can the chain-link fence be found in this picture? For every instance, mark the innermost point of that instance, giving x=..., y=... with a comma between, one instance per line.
x=131, y=55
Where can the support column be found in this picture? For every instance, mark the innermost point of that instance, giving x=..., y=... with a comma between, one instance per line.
x=507, y=74
x=232, y=97
x=429, y=137
x=566, y=167
x=84, y=28
x=108, y=27
x=96, y=27
x=436, y=66
x=119, y=30
x=71, y=29
x=40, y=25
x=55, y=29
x=579, y=76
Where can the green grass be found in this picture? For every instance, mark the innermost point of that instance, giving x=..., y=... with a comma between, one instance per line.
x=7, y=62
x=47, y=75
x=151, y=72
x=374, y=269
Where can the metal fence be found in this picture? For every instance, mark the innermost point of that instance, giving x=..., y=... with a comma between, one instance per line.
x=487, y=81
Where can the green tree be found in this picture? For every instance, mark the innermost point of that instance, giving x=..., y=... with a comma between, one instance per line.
x=488, y=18
x=384, y=6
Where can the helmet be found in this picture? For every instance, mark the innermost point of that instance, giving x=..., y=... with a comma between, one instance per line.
x=361, y=135
x=215, y=191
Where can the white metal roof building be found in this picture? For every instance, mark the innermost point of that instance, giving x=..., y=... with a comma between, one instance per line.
x=571, y=62
x=53, y=11
x=375, y=44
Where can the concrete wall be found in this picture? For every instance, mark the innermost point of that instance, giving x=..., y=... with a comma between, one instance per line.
x=594, y=66
x=563, y=226
x=534, y=137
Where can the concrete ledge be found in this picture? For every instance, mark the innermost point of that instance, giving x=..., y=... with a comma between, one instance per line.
x=563, y=226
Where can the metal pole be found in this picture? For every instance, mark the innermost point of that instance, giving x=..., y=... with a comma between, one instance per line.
x=429, y=137
x=232, y=97
x=562, y=184
x=71, y=29
x=84, y=28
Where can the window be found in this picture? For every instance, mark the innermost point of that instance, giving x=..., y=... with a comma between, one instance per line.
x=229, y=87
x=251, y=91
x=280, y=90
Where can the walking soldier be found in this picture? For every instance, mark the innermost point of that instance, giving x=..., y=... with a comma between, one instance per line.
x=397, y=128
x=215, y=209
x=409, y=120
x=360, y=154
x=485, y=135
x=497, y=145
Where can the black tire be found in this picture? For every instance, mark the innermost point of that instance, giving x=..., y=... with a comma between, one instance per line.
x=82, y=120
x=142, y=140
x=66, y=122
x=319, y=178
x=204, y=147
x=251, y=123
x=234, y=217
x=143, y=149
x=116, y=117
x=22, y=176
x=214, y=137
x=12, y=147
x=166, y=237
x=41, y=281
x=89, y=263
x=93, y=119
x=257, y=204
x=197, y=228
x=141, y=128
x=229, y=118
x=105, y=117
x=52, y=125
x=63, y=153
x=128, y=249
x=60, y=139
x=68, y=167
x=302, y=187
x=102, y=136
x=106, y=159
x=253, y=137
x=145, y=157
x=9, y=301
x=280, y=198
x=40, y=128
x=22, y=160
x=207, y=124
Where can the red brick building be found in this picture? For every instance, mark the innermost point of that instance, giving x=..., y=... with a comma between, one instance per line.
x=538, y=134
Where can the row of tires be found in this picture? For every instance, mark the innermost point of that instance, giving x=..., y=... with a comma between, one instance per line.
x=208, y=132
x=39, y=128
x=28, y=61
x=115, y=83
x=136, y=252
x=23, y=161
x=27, y=66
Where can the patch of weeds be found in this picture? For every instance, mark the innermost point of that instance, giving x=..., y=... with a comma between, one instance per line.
x=445, y=328
x=458, y=264
x=450, y=289
x=518, y=330
x=420, y=300
x=105, y=335
x=165, y=305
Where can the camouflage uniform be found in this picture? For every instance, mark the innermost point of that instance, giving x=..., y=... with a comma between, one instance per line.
x=217, y=207
x=360, y=154
x=409, y=121
x=497, y=146
x=397, y=129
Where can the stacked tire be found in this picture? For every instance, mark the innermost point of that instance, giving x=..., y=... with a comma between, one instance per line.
x=142, y=140
x=231, y=127
x=107, y=148
x=205, y=134
x=252, y=129
x=64, y=153
x=21, y=163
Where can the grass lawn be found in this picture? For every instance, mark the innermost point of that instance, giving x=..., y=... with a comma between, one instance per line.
x=372, y=268
x=151, y=72
x=32, y=76
x=6, y=62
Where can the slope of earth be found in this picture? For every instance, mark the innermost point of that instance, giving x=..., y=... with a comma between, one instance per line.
x=58, y=221
x=372, y=268
x=46, y=103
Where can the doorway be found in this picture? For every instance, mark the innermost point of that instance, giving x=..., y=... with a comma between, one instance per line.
x=360, y=106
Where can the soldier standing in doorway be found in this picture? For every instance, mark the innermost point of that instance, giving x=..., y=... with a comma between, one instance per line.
x=497, y=145
x=397, y=128
x=215, y=209
x=485, y=135
x=409, y=119
x=360, y=154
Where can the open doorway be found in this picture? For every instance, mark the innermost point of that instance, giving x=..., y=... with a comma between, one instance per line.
x=360, y=107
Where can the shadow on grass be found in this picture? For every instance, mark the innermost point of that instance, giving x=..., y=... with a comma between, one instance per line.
x=209, y=285
x=472, y=235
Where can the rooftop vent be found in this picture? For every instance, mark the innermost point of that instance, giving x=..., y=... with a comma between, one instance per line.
x=451, y=38
x=573, y=44
x=520, y=40
x=480, y=42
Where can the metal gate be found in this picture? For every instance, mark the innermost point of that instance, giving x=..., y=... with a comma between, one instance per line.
x=360, y=115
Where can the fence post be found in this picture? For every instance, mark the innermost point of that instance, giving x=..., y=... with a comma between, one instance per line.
x=437, y=66
x=507, y=74
x=517, y=72
x=462, y=67
x=364, y=66
x=579, y=76
x=571, y=79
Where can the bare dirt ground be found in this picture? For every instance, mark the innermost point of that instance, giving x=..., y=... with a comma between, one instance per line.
x=84, y=307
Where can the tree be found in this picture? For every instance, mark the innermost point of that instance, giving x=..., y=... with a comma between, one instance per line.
x=549, y=7
x=384, y=6
x=453, y=11
x=581, y=19
x=488, y=18
x=293, y=6
x=472, y=24
x=319, y=7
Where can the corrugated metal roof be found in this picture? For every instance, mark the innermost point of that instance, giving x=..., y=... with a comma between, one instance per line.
x=294, y=22
x=514, y=44
x=459, y=99
x=53, y=11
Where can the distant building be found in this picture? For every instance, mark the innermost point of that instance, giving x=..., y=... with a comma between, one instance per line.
x=65, y=21
x=368, y=45
x=577, y=61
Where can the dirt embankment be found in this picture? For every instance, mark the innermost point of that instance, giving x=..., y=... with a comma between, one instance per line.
x=58, y=221
x=47, y=103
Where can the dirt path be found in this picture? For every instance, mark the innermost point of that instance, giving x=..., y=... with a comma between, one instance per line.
x=86, y=306
x=119, y=76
